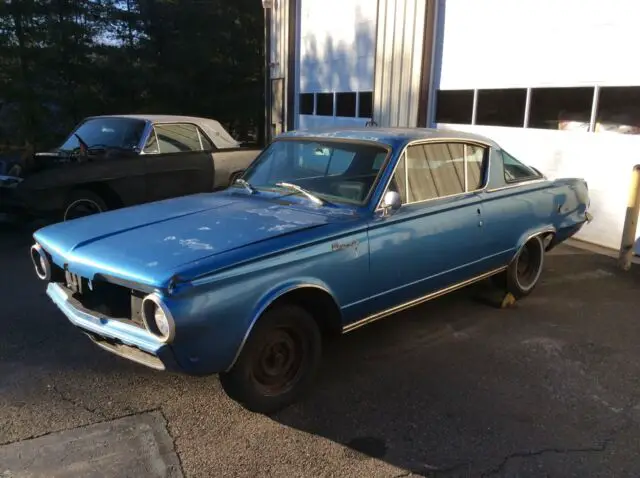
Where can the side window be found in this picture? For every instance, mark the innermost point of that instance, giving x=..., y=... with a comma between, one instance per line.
x=436, y=170
x=151, y=146
x=515, y=171
x=177, y=138
x=207, y=145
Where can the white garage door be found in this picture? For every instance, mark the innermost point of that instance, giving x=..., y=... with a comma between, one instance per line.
x=529, y=74
x=336, y=55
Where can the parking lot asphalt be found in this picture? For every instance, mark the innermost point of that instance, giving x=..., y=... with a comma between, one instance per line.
x=455, y=387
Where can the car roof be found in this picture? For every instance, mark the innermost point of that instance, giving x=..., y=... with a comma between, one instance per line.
x=220, y=137
x=388, y=136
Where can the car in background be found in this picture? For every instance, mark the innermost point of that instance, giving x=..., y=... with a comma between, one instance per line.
x=324, y=233
x=109, y=162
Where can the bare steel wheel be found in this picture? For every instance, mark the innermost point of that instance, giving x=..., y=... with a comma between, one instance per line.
x=81, y=204
x=524, y=271
x=278, y=362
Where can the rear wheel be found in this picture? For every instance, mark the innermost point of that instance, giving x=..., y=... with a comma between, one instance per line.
x=278, y=363
x=83, y=203
x=524, y=272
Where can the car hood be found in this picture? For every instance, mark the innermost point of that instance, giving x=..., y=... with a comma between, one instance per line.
x=150, y=242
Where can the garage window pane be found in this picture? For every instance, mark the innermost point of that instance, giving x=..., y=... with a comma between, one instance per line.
x=324, y=104
x=365, y=109
x=553, y=108
x=346, y=105
x=306, y=104
x=454, y=106
x=501, y=107
x=175, y=138
x=619, y=109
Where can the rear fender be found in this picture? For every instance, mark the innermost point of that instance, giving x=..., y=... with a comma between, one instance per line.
x=530, y=234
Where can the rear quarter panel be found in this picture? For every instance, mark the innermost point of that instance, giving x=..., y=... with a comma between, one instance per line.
x=514, y=214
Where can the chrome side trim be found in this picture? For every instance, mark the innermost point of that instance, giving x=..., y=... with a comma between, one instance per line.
x=265, y=307
x=418, y=301
x=515, y=185
x=420, y=142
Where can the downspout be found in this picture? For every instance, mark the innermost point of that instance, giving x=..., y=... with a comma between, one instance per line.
x=267, y=76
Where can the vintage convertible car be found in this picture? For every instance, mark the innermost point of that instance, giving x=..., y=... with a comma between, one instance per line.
x=325, y=232
x=108, y=162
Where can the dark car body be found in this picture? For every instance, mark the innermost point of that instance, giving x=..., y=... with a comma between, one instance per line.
x=118, y=161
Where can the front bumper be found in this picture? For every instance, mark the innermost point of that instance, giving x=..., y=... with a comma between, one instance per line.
x=129, y=341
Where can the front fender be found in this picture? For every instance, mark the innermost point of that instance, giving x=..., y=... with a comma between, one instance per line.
x=274, y=294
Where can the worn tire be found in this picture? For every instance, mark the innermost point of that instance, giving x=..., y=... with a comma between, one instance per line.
x=93, y=201
x=523, y=274
x=285, y=335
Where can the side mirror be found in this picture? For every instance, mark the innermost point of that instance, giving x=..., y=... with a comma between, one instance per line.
x=391, y=202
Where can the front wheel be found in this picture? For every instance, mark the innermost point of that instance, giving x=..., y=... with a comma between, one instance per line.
x=278, y=363
x=523, y=274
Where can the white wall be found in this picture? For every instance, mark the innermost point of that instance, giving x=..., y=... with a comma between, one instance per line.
x=604, y=160
x=536, y=43
x=337, y=45
x=528, y=43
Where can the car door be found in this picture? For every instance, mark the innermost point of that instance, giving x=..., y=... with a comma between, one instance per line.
x=434, y=240
x=178, y=161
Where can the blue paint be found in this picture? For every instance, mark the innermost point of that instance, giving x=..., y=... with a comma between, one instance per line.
x=230, y=254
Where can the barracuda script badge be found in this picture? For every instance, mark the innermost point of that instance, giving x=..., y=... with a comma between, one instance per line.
x=338, y=246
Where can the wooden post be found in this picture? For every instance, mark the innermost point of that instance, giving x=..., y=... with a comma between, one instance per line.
x=630, y=221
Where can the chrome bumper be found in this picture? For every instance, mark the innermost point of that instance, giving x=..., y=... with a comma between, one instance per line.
x=128, y=341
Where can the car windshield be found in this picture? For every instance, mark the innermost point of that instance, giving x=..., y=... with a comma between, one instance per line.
x=122, y=133
x=337, y=171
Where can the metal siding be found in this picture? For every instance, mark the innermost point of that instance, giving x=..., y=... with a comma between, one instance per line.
x=398, y=67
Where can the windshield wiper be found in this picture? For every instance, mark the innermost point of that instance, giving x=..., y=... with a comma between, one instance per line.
x=244, y=183
x=301, y=190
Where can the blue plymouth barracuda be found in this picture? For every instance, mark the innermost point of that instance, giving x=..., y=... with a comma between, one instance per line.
x=325, y=232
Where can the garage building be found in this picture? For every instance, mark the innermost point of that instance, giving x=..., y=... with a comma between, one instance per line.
x=553, y=81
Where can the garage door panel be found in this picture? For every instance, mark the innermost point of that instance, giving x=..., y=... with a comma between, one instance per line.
x=337, y=48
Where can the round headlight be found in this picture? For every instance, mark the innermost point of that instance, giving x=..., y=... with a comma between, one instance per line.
x=162, y=323
x=157, y=318
x=40, y=262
